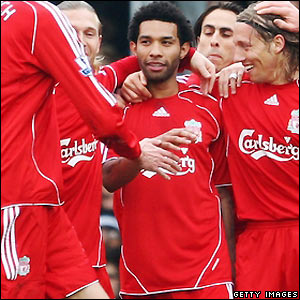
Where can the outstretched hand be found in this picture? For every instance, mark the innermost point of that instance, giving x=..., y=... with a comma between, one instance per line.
x=156, y=156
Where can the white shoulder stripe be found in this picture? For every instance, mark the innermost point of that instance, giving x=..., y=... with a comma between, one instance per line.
x=77, y=47
x=104, y=92
x=35, y=26
x=65, y=26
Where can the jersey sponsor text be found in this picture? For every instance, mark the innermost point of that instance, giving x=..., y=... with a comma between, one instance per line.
x=259, y=147
x=73, y=155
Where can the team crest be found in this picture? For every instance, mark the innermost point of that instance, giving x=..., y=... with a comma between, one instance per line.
x=24, y=266
x=196, y=127
x=293, y=125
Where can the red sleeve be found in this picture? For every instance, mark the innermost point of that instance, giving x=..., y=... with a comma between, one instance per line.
x=185, y=63
x=125, y=67
x=221, y=175
x=112, y=76
x=60, y=54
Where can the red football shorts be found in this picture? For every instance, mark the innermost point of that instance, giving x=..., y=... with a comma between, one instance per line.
x=41, y=256
x=267, y=257
x=222, y=291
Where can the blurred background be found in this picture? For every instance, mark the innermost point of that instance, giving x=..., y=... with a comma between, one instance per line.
x=115, y=16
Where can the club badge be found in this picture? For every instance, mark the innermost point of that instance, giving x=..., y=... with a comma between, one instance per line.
x=24, y=266
x=196, y=127
x=293, y=125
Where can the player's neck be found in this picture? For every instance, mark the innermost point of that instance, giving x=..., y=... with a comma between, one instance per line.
x=284, y=79
x=163, y=89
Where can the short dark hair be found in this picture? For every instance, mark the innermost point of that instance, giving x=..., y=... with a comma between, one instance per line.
x=231, y=6
x=161, y=11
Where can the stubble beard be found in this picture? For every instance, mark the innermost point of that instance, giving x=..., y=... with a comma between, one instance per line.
x=161, y=76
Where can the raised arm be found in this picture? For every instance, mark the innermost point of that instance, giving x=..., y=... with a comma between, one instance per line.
x=66, y=62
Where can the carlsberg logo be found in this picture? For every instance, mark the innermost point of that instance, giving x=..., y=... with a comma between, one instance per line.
x=77, y=153
x=259, y=147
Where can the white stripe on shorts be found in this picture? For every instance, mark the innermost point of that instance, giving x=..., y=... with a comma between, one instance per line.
x=230, y=290
x=9, y=255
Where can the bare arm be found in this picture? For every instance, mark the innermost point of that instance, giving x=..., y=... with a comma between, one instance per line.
x=285, y=9
x=155, y=157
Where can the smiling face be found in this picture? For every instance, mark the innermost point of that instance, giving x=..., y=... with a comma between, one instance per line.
x=158, y=50
x=264, y=56
x=87, y=25
x=216, y=38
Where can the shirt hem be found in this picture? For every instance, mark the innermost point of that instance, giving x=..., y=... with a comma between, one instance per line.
x=32, y=204
x=81, y=288
x=175, y=289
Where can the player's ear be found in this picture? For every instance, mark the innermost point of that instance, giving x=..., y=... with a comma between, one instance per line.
x=278, y=43
x=132, y=46
x=184, y=49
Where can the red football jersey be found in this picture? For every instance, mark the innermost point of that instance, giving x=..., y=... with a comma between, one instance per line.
x=221, y=174
x=172, y=231
x=262, y=121
x=37, y=54
x=81, y=157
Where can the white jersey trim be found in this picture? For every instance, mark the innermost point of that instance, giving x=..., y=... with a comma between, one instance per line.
x=114, y=73
x=105, y=93
x=65, y=26
x=203, y=108
x=223, y=185
x=76, y=46
x=99, y=248
x=217, y=247
x=135, y=277
x=229, y=287
x=227, y=283
x=99, y=266
x=9, y=255
x=196, y=286
x=36, y=165
x=32, y=204
x=211, y=173
x=83, y=287
x=8, y=244
x=35, y=25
